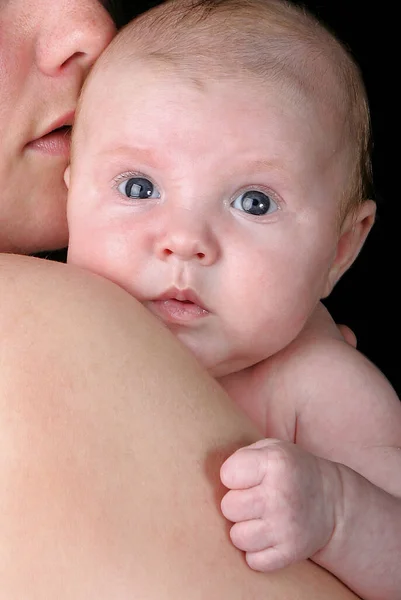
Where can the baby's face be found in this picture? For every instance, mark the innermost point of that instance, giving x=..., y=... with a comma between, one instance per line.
x=212, y=202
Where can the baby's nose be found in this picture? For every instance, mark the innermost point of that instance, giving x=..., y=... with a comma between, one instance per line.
x=187, y=240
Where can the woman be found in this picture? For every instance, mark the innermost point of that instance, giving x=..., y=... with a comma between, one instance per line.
x=112, y=436
x=46, y=50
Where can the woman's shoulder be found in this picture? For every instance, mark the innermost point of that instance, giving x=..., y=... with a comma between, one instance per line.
x=44, y=300
x=30, y=285
x=19, y=272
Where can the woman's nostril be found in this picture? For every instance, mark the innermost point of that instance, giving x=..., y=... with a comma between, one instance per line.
x=75, y=56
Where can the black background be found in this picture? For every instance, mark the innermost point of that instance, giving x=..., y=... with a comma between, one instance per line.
x=368, y=297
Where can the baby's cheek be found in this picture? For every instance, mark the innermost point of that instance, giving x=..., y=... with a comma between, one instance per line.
x=268, y=330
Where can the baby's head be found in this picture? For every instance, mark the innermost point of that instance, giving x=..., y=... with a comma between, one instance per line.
x=220, y=172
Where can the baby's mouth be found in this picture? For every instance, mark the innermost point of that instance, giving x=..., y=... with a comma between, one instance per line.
x=178, y=310
x=178, y=306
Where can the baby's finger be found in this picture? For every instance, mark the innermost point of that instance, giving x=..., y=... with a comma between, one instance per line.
x=251, y=536
x=242, y=505
x=243, y=469
x=269, y=559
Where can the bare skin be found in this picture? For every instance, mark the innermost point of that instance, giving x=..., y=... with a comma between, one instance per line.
x=86, y=508
x=101, y=423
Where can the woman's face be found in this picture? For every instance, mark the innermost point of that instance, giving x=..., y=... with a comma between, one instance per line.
x=46, y=50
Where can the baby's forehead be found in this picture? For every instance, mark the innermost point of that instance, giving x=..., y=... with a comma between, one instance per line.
x=296, y=85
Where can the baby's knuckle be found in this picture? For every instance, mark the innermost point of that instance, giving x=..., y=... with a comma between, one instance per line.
x=282, y=459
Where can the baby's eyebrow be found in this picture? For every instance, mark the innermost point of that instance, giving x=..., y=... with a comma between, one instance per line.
x=265, y=164
x=135, y=152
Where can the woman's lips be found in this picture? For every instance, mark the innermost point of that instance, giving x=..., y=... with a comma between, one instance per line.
x=55, y=143
x=173, y=310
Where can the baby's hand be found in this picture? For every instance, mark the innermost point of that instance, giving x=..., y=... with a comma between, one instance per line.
x=281, y=501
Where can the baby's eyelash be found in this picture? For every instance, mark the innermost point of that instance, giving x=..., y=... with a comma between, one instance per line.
x=123, y=176
x=259, y=188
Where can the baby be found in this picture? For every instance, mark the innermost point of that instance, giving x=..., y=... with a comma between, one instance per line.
x=220, y=172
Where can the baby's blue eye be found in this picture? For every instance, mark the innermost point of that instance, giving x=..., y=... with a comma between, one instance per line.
x=139, y=188
x=254, y=202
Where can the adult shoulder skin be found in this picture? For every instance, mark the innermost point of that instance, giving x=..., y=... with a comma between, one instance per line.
x=112, y=439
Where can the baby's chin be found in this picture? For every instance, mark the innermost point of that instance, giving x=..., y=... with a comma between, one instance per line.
x=228, y=366
x=213, y=349
x=207, y=354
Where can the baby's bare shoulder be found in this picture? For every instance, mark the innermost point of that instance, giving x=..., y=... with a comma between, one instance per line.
x=331, y=385
x=321, y=368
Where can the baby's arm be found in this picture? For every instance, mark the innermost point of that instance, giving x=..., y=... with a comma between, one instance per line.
x=346, y=518
x=352, y=416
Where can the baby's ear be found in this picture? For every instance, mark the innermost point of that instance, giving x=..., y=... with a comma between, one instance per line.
x=354, y=232
x=67, y=177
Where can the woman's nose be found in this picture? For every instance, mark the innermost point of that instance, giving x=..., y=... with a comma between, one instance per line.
x=73, y=33
x=188, y=239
